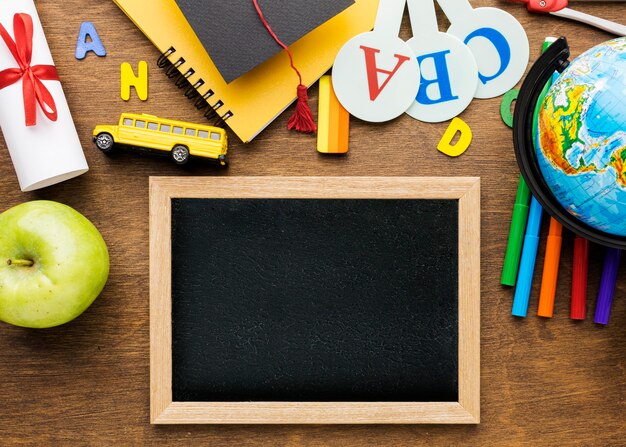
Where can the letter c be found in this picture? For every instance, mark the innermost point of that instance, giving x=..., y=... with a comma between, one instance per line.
x=501, y=45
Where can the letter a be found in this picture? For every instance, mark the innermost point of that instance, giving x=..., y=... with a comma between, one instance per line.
x=373, y=70
x=140, y=82
x=89, y=40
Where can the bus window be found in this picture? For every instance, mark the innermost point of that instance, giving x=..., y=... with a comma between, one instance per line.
x=128, y=122
x=178, y=130
x=141, y=124
x=203, y=134
x=216, y=136
x=166, y=128
x=153, y=126
x=190, y=132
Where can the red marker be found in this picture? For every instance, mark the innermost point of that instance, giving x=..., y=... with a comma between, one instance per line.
x=578, y=310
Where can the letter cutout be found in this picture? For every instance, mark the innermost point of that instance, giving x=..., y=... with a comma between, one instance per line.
x=89, y=40
x=442, y=80
x=501, y=45
x=505, y=106
x=140, y=82
x=373, y=70
x=465, y=138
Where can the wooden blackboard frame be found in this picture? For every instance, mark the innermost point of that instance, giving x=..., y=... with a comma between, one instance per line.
x=464, y=189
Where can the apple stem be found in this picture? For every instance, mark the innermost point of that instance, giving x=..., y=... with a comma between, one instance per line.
x=20, y=262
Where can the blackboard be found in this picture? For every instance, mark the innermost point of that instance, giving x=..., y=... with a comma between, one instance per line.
x=313, y=299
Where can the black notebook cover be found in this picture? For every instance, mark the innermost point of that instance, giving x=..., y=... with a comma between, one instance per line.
x=234, y=36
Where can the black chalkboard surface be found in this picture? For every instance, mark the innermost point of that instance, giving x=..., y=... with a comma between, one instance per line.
x=319, y=300
x=314, y=300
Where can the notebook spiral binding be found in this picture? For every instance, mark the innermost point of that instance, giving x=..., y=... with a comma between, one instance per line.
x=181, y=80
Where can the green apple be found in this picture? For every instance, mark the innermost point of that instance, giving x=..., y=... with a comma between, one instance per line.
x=53, y=264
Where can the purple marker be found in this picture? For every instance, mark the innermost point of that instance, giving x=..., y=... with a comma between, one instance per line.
x=607, y=286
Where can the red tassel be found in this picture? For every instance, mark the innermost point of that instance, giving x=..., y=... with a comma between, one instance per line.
x=302, y=118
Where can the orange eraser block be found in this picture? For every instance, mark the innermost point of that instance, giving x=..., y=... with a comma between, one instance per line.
x=333, y=127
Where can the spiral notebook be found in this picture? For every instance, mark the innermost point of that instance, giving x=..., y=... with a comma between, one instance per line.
x=251, y=102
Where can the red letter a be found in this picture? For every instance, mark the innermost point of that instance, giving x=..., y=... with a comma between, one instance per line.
x=372, y=70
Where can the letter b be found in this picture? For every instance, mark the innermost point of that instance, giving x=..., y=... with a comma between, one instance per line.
x=442, y=79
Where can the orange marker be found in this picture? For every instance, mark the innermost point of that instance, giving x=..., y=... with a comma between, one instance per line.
x=550, y=270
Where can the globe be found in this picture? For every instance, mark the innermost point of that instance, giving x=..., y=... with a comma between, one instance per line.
x=580, y=138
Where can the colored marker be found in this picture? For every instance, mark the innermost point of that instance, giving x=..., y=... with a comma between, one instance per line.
x=550, y=270
x=520, y=209
x=578, y=310
x=553, y=244
x=607, y=286
x=527, y=263
x=516, y=234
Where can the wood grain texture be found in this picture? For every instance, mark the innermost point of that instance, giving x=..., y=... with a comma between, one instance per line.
x=544, y=382
x=469, y=300
x=160, y=306
x=464, y=189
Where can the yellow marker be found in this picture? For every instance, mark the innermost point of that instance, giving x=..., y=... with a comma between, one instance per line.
x=333, y=121
x=140, y=82
x=465, y=138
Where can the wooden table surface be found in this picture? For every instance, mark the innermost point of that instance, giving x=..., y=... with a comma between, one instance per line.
x=544, y=382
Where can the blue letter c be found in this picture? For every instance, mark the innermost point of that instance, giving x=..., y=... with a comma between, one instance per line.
x=502, y=47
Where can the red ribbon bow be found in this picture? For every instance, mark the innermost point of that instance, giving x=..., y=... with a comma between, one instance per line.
x=34, y=91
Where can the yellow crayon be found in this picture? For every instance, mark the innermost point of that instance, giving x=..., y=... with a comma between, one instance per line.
x=333, y=121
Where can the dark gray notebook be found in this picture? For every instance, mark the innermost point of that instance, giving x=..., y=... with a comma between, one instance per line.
x=234, y=36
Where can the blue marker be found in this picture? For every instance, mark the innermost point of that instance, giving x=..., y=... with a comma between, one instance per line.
x=531, y=239
x=527, y=263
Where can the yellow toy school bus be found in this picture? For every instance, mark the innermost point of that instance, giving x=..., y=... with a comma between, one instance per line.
x=178, y=139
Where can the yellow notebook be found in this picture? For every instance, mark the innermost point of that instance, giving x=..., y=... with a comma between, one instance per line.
x=251, y=102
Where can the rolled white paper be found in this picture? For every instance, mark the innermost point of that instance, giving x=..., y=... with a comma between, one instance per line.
x=49, y=152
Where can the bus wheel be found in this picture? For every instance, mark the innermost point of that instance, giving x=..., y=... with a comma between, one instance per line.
x=104, y=142
x=180, y=155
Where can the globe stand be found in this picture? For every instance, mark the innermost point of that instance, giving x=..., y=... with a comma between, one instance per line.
x=555, y=58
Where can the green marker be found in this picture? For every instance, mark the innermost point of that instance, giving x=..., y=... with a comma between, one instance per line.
x=520, y=212
x=516, y=234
